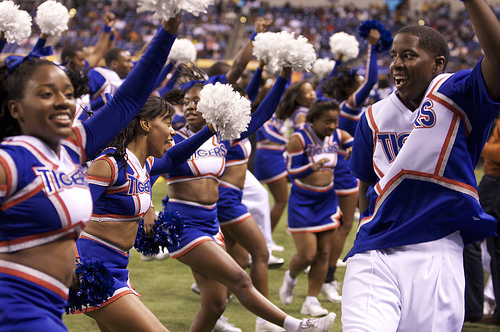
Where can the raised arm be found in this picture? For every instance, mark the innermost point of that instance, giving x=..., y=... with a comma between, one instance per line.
x=133, y=93
x=245, y=54
x=488, y=33
x=104, y=43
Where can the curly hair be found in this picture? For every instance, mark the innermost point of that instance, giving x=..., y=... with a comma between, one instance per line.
x=338, y=86
x=288, y=103
x=319, y=107
x=12, y=85
x=153, y=108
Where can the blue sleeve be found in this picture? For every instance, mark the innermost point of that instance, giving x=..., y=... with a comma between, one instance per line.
x=179, y=153
x=130, y=97
x=96, y=81
x=357, y=99
x=2, y=44
x=253, y=86
x=266, y=108
x=295, y=164
x=361, y=161
x=164, y=72
x=96, y=191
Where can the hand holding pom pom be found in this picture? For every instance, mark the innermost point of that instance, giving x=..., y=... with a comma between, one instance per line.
x=14, y=23
x=322, y=67
x=383, y=38
x=166, y=9
x=344, y=43
x=52, y=18
x=183, y=51
x=225, y=109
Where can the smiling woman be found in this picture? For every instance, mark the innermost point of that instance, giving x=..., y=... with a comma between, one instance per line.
x=45, y=200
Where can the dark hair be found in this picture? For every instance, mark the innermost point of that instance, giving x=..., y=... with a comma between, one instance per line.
x=337, y=87
x=112, y=54
x=69, y=51
x=319, y=107
x=190, y=72
x=12, y=86
x=218, y=68
x=239, y=89
x=153, y=108
x=429, y=39
x=79, y=80
x=288, y=103
x=174, y=96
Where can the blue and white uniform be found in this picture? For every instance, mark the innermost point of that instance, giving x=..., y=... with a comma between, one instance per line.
x=230, y=209
x=313, y=209
x=269, y=161
x=350, y=113
x=47, y=196
x=209, y=161
x=103, y=84
x=423, y=206
x=126, y=197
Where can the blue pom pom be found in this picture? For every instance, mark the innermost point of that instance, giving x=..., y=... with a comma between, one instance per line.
x=96, y=286
x=168, y=230
x=385, y=40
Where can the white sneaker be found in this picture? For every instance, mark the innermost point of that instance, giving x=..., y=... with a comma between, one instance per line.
x=306, y=271
x=275, y=247
x=331, y=291
x=318, y=324
x=286, y=290
x=340, y=263
x=275, y=262
x=162, y=255
x=147, y=258
x=262, y=325
x=195, y=288
x=313, y=309
x=223, y=325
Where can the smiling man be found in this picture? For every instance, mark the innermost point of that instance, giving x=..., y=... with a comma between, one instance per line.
x=414, y=153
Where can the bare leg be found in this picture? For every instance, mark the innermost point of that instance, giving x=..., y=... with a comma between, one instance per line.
x=319, y=266
x=213, y=262
x=248, y=234
x=348, y=204
x=127, y=313
x=279, y=190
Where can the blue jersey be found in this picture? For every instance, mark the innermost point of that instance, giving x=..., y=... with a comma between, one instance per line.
x=421, y=164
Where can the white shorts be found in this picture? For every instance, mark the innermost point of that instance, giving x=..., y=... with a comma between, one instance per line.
x=417, y=287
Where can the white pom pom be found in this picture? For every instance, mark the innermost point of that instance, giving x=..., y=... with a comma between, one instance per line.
x=52, y=17
x=15, y=23
x=344, y=43
x=282, y=49
x=166, y=9
x=225, y=109
x=322, y=67
x=183, y=51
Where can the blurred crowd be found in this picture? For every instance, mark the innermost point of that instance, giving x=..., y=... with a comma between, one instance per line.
x=211, y=32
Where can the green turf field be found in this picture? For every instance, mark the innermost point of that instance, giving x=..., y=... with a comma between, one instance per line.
x=165, y=286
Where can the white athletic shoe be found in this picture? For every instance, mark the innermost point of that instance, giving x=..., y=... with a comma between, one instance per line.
x=307, y=270
x=262, y=325
x=275, y=262
x=331, y=291
x=313, y=309
x=286, y=290
x=223, y=325
x=275, y=247
x=160, y=256
x=147, y=258
x=195, y=288
x=318, y=324
x=340, y=263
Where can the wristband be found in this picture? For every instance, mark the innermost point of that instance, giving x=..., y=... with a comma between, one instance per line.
x=252, y=37
x=106, y=29
x=112, y=37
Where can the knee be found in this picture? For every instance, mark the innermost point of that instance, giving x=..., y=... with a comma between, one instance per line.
x=260, y=256
x=307, y=258
x=215, y=306
x=323, y=256
x=241, y=282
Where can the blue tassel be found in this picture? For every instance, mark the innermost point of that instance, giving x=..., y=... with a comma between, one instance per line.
x=96, y=286
x=385, y=40
x=168, y=230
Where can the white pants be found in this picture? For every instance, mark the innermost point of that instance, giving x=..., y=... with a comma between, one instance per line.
x=256, y=199
x=416, y=287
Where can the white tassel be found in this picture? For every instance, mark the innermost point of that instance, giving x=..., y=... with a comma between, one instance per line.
x=166, y=9
x=225, y=109
x=322, y=67
x=345, y=44
x=183, y=51
x=15, y=23
x=282, y=49
x=52, y=17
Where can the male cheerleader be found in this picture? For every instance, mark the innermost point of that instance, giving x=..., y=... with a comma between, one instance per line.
x=414, y=154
